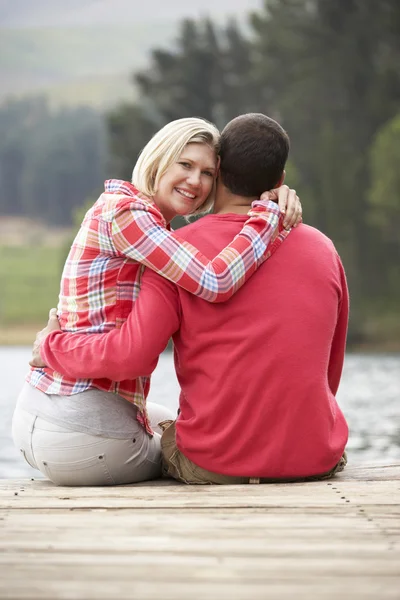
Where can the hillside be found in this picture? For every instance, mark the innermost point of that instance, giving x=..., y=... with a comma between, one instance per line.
x=86, y=65
x=85, y=51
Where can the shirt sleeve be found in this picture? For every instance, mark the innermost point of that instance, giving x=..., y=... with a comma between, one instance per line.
x=125, y=353
x=338, y=347
x=140, y=234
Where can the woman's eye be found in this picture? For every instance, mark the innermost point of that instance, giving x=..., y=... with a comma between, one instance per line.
x=185, y=164
x=208, y=173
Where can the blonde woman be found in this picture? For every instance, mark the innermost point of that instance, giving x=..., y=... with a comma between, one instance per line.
x=100, y=432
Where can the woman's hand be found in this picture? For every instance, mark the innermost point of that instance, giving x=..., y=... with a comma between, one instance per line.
x=289, y=205
x=52, y=325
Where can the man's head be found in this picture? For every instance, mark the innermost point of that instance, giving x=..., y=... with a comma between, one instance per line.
x=254, y=150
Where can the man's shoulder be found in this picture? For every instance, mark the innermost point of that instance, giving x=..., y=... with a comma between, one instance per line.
x=317, y=247
x=312, y=234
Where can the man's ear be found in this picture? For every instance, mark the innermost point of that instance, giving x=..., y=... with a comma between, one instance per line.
x=281, y=179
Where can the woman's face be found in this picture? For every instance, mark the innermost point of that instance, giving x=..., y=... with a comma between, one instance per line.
x=188, y=182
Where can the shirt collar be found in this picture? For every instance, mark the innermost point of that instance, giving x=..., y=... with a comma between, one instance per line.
x=118, y=186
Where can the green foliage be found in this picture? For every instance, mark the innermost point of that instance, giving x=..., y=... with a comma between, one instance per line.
x=384, y=194
x=384, y=212
x=29, y=283
x=49, y=162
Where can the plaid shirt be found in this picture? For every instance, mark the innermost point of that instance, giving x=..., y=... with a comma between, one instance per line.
x=120, y=235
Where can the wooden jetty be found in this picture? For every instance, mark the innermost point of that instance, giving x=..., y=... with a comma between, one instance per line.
x=325, y=540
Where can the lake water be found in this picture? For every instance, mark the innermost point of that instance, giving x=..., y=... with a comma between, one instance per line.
x=369, y=395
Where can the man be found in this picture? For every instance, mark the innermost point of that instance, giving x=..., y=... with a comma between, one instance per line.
x=258, y=374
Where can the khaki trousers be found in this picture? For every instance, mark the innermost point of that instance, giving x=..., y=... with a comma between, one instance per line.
x=178, y=466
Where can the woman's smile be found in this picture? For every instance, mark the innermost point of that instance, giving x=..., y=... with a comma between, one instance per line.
x=185, y=193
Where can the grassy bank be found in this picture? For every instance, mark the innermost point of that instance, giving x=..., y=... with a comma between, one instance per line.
x=29, y=284
x=20, y=335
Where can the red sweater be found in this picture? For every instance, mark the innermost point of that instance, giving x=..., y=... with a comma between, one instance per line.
x=258, y=374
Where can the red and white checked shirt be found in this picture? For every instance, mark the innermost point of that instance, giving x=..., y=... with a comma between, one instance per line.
x=120, y=235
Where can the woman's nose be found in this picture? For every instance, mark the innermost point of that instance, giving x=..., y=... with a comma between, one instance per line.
x=194, y=177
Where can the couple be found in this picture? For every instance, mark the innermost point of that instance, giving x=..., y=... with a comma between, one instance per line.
x=258, y=374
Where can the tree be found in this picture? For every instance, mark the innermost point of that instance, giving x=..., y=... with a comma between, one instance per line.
x=17, y=121
x=384, y=213
x=184, y=82
x=384, y=194
x=129, y=129
x=49, y=162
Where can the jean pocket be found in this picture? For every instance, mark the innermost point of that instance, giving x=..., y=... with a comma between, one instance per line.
x=23, y=453
x=91, y=471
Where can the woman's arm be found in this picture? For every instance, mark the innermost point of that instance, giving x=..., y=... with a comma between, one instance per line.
x=141, y=236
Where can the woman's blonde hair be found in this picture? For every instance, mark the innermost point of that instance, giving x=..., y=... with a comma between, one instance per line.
x=166, y=146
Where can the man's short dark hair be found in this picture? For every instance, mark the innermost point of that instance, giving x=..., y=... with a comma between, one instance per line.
x=254, y=150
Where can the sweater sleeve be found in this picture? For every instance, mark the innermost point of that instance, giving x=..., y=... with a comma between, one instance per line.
x=126, y=353
x=140, y=234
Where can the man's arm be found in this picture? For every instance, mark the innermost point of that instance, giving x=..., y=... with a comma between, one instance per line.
x=124, y=353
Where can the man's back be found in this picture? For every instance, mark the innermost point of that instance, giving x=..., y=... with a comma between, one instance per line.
x=259, y=373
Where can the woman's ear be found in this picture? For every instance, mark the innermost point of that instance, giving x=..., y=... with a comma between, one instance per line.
x=218, y=166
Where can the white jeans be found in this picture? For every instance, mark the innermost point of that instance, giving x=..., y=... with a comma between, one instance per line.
x=72, y=458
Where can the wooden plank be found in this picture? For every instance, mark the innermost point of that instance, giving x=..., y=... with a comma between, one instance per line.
x=283, y=547
x=174, y=566
x=43, y=494
x=356, y=588
x=370, y=473
x=241, y=520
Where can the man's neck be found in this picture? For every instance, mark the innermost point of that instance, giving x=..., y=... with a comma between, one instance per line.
x=226, y=202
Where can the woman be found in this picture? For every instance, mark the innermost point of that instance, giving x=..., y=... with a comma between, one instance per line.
x=95, y=437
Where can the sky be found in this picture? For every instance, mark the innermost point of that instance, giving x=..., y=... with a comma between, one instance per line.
x=34, y=13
